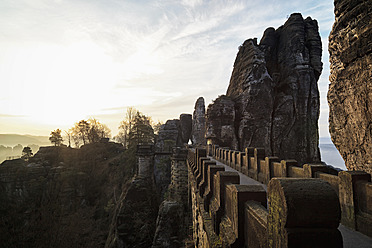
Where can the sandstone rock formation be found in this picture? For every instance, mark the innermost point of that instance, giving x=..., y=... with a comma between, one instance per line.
x=220, y=122
x=169, y=224
x=350, y=90
x=134, y=223
x=274, y=88
x=168, y=136
x=186, y=129
x=198, y=123
x=175, y=132
x=251, y=88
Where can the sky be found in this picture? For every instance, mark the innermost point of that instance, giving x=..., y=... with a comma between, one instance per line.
x=66, y=60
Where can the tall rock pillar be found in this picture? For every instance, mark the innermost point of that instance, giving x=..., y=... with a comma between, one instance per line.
x=198, y=123
x=274, y=88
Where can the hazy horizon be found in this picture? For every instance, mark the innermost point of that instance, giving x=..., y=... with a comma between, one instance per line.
x=62, y=61
x=329, y=153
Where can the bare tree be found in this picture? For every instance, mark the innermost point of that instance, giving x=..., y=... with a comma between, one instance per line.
x=68, y=135
x=126, y=126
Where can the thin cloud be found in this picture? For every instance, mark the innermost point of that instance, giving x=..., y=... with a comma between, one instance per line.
x=11, y=116
x=158, y=55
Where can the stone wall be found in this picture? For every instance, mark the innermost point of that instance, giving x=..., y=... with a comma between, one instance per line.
x=350, y=90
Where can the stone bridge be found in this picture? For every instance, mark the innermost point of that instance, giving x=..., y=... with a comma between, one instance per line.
x=301, y=206
x=247, y=199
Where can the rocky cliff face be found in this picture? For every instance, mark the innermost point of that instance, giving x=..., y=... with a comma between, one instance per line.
x=252, y=89
x=350, y=90
x=274, y=88
x=198, y=123
x=62, y=197
x=134, y=222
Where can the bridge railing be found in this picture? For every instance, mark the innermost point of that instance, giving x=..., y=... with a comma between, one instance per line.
x=354, y=188
x=229, y=214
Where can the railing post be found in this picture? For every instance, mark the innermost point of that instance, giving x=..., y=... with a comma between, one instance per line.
x=249, y=154
x=236, y=196
x=348, y=195
x=208, y=194
x=217, y=209
x=204, y=181
x=239, y=161
x=268, y=170
x=286, y=164
x=199, y=174
x=259, y=154
x=311, y=169
x=303, y=213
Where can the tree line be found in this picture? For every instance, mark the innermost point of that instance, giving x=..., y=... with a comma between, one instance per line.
x=135, y=128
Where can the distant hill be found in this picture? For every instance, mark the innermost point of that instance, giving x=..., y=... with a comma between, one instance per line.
x=24, y=140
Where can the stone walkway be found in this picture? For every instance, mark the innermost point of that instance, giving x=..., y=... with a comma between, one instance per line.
x=244, y=179
x=352, y=239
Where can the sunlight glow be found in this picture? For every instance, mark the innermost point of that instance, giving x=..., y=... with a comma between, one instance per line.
x=59, y=84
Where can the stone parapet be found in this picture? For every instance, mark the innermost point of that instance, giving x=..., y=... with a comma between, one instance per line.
x=353, y=188
x=229, y=214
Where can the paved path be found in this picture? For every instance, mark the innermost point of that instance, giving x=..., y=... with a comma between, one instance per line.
x=244, y=179
x=352, y=239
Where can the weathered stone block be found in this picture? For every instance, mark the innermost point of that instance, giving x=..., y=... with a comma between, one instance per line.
x=255, y=225
x=269, y=169
x=199, y=172
x=311, y=169
x=221, y=179
x=348, y=195
x=302, y=208
x=204, y=182
x=236, y=196
x=212, y=170
x=285, y=165
x=259, y=154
